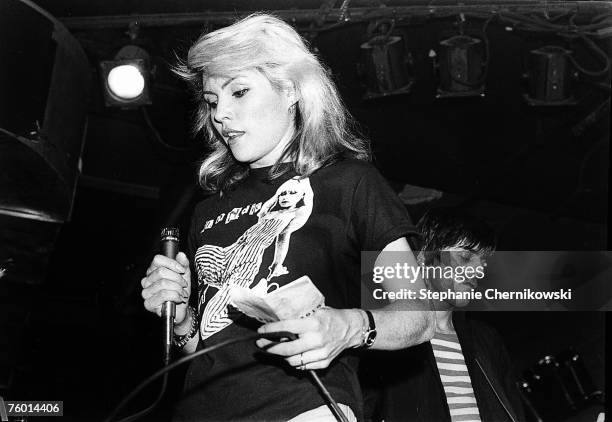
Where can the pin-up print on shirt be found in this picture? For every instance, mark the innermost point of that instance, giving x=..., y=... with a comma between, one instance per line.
x=221, y=268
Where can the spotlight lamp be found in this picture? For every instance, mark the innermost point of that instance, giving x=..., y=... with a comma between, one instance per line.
x=460, y=66
x=125, y=80
x=549, y=77
x=386, y=67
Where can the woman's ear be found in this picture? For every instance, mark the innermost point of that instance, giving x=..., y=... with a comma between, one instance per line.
x=291, y=94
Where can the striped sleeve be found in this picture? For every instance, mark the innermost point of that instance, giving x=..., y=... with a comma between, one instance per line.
x=455, y=378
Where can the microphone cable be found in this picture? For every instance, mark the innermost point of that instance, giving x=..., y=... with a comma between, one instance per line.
x=169, y=247
x=338, y=414
x=143, y=412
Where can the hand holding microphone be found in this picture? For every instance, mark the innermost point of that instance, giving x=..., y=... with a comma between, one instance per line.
x=168, y=281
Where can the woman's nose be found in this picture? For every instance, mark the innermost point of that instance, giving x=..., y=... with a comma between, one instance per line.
x=222, y=112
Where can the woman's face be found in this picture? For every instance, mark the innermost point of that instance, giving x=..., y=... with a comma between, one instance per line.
x=252, y=117
x=289, y=197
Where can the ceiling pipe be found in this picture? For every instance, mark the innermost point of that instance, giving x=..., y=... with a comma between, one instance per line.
x=306, y=16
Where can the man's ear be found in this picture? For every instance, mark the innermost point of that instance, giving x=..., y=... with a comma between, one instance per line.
x=420, y=258
x=431, y=258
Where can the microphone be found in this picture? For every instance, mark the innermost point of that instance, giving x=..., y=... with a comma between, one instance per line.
x=169, y=244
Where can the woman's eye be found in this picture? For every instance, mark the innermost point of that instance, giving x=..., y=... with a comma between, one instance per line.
x=240, y=93
x=210, y=102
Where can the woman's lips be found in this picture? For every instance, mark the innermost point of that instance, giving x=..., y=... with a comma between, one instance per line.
x=230, y=132
x=232, y=136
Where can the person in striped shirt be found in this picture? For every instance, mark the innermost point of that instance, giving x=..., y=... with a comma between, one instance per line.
x=463, y=374
x=455, y=240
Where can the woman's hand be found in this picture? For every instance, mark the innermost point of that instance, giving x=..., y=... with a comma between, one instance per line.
x=321, y=337
x=167, y=280
x=276, y=270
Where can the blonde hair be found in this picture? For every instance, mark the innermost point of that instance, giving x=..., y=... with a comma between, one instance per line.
x=325, y=132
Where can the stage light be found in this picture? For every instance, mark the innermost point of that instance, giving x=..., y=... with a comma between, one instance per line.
x=125, y=80
x=385, y=66
x=460, y=66
x=549, y=77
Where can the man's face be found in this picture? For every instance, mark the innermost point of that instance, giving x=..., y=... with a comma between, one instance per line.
x=468, y=269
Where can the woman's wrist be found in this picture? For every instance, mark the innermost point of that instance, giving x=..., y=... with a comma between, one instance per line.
x=184, y=326
x=182, y=336
x=357, y=326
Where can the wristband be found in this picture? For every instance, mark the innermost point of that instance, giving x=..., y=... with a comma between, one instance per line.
x=181, y=341
x=369, y=334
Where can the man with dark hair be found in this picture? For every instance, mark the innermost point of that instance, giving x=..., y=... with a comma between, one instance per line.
x=463, y=373
x=451, y=238
x=442, y=228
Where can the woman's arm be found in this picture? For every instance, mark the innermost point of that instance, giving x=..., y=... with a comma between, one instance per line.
x=267, y=206
x=329, y=331
x=402, y=323
x=183, y=329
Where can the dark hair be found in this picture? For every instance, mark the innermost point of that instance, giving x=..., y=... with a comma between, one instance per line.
x=447, y=227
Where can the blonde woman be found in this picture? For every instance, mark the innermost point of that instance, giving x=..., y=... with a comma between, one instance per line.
x=285, y=167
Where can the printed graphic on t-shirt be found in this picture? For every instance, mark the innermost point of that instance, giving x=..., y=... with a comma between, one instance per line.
x=221, y=268
x=231, y=216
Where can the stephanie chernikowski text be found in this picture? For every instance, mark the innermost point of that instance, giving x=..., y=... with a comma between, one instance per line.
x=490, y=294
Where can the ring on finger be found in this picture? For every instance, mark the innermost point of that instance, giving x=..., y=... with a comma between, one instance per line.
x=302, y=365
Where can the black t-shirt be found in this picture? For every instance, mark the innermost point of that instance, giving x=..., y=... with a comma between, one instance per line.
x=266, y=234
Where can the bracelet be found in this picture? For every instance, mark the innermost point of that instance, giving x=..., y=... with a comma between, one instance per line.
x=181, y=341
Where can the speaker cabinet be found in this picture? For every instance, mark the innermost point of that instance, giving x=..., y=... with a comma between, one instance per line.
x=44, y=84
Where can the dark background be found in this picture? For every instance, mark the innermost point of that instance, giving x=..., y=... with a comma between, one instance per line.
x=72, y=326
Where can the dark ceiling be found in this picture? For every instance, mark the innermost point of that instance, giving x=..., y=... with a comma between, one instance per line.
x=495, y=147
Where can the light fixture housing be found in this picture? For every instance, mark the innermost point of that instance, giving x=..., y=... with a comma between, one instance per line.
x=549, y=77
x=126, y=79
x=386, y=67
x=460, y=66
